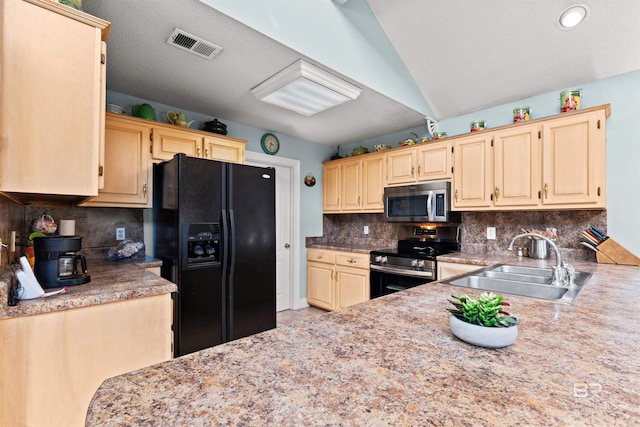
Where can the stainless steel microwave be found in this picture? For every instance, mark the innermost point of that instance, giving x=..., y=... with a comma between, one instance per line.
x=426, y=202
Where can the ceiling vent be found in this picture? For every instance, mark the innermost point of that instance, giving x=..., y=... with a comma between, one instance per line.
x=193, y=44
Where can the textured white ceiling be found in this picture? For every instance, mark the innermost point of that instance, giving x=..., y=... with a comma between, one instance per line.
x=464, y=55
x=467, y=55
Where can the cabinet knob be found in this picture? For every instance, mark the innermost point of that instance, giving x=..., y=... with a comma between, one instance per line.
x=144, y=189
x=546, y=190
x=496, y=191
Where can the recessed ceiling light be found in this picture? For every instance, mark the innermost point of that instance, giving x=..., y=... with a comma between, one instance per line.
x=573, y=15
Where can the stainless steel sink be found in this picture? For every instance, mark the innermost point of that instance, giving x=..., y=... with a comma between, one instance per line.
x=529, y=282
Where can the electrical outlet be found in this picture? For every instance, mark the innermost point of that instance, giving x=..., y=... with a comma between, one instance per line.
x=366, y=229
x=491, y=233
x=120, y=233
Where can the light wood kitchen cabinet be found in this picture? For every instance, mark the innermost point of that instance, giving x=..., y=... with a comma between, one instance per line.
x=52, y=60
x=516, y=167
x=497, y=170
x=128, y=172
x=331, y=179
x=224, y=149
x=556, y=163
x=54, y=362
x=168, y=140
x=574, y=168
x=320, y=274
x=401, y=166
x=337, y=279
x=434, y=161
x=351, y=185
x=354, y=185
x=373, y=173
x=450, y=269
x=422, y=162
x=472, y=172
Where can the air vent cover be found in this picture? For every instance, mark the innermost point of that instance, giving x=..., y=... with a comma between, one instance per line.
x=193, y=44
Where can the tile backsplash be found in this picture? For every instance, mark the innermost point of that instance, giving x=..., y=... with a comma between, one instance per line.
x=97, y=226
x=349, y=229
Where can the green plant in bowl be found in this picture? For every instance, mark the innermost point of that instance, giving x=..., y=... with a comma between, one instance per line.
x=486, y=310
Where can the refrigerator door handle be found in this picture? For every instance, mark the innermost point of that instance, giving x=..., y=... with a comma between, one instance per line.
x=232, y=262
x=225, y=267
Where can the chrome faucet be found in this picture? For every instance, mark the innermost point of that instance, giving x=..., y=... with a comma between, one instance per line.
x=563, y=273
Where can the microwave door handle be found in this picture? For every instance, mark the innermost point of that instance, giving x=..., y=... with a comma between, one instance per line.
x=430, y=205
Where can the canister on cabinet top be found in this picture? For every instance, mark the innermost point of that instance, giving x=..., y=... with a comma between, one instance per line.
x=521, y=114
x=477, y=125
x=570, y=99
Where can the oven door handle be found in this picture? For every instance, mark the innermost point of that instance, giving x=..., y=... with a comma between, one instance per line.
x=402, y=272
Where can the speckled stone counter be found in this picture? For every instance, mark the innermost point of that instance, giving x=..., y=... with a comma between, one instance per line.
x=110, y=281
x=363, y=249
x=394, y=361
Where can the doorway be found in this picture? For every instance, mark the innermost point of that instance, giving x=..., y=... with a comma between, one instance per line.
x=287, y=226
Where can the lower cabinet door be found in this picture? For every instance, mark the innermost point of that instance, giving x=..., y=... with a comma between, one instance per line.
x=320, y=289
x=352, y=286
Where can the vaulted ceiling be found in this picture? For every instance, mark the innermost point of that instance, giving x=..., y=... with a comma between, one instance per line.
x=460, y=56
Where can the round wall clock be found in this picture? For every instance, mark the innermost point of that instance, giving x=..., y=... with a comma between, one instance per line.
x=270, y=143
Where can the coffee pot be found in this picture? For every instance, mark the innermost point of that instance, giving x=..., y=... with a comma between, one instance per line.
x=178, y=119
x=57, y=262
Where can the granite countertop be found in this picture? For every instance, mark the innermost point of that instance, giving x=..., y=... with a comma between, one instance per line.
x=394, y=361
x=110, y=281
x=363, y=249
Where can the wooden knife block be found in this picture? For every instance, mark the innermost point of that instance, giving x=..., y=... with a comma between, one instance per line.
x=611, y=252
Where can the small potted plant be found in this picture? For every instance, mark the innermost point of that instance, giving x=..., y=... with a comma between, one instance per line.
x=483, y=321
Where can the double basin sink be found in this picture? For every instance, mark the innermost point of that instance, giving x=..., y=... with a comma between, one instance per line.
x=530, y=282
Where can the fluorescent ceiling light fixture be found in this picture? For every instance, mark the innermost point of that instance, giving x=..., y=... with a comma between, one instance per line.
x=573, y=15
x=305, y=89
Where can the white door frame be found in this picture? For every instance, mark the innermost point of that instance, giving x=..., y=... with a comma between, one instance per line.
x=294, y=167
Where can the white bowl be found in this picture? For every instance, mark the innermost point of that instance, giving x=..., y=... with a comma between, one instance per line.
x=490, y=337
x=113, y=108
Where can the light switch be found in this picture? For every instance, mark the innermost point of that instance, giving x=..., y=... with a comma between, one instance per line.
x=366, y=229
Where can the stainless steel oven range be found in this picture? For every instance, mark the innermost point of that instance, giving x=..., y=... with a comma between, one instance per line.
x=414, y=262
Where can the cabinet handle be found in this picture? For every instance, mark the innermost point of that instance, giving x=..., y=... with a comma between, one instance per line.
x=455, y=195
x=144, y=189
x=418, y=170
x=206, y=152
x=198, y=151
x=100, y=170
x=412, y=168
x=351, y=261
x=546, y=190
x=496, y=191
x=358, y=200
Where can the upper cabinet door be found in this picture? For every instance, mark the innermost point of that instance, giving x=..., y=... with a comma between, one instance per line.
x=127, y=166
x=224, y=149
x=351, y=185
x=574, y=160
x=373, y=174
x=331, y=187
x=434, y=161
x=401, y=165
x=516, y=160
x=169, y=142
x=472, y=172
x=50, y=99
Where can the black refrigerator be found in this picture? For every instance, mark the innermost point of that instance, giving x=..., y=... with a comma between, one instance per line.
x=215, y=234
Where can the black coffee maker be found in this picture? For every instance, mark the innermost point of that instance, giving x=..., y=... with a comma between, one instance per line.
x=56, y=261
